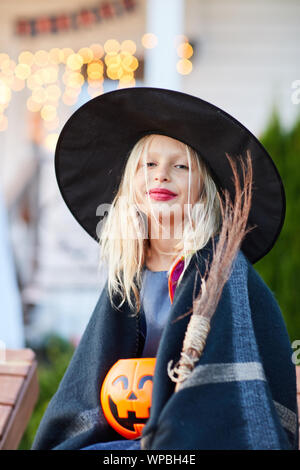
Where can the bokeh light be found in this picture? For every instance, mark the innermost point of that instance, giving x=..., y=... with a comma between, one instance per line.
x=4, y=61
x=184, y=66
x=34, y=81
x=95, y=70
x=97, y=50
x=185, y=50
x=7, y=80
x=130, y=63
x=67, y=51
x=5, y=93
x=48, y=112
x=113, y=59
x=149, y=40
x=111, y=46
x=3, y=57
x=95, y=83
x=22, y=71
x=17, y=84
x=52, y=125
x=72, y=92
x=56, y=55
x=68, y=100
x=39, y=95
x=126, y=83
x=74, y=80
x=32, y=105
x=48, y=74
x=127, y=78
x=8, y=67
x=87, y=54
x=53, y=92
x=39, y=72
x=41, y=58
x=51, y=141
x=26, y=57
x=114, y=72
x=74, y=62
x=128, y=46
x=3, y=123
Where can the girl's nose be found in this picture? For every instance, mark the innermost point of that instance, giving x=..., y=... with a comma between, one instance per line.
x=161, y=175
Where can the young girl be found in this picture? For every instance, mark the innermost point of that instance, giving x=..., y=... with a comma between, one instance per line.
x=159, y=157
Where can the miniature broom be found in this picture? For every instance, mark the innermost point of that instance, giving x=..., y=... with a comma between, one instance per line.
x=234, y=217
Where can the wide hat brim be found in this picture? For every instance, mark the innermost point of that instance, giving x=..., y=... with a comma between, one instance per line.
x=95, y=142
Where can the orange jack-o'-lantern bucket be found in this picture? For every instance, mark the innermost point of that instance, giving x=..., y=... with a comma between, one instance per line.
x=126, y=395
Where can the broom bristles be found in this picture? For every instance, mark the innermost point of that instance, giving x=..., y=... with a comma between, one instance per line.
x=234, y=229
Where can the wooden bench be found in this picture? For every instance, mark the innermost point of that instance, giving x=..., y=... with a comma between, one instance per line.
x=18, y=394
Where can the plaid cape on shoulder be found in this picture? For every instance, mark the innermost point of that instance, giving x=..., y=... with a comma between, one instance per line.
x=241, y=394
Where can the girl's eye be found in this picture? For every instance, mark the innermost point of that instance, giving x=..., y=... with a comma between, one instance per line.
x=152, y=163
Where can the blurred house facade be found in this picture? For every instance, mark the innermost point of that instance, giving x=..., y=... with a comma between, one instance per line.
x=245, y=60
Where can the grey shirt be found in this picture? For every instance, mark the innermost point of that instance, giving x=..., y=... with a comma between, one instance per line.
x=156, y=306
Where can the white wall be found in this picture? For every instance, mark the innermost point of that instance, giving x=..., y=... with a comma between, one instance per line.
x=247, y=56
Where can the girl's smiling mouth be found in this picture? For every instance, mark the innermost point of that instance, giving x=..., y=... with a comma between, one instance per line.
x=161, y=194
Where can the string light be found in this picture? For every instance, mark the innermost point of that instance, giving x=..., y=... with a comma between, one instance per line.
x=39, y=72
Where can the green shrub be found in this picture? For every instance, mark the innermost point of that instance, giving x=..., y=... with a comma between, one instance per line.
x=53, y=360
x=281, y=267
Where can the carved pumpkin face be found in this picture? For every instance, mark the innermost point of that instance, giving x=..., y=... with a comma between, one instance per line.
x=126, y=395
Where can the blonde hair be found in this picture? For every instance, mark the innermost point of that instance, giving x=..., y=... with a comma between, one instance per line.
x=125, y=256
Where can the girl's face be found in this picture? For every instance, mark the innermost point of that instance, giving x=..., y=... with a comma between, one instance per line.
x=166, y=167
